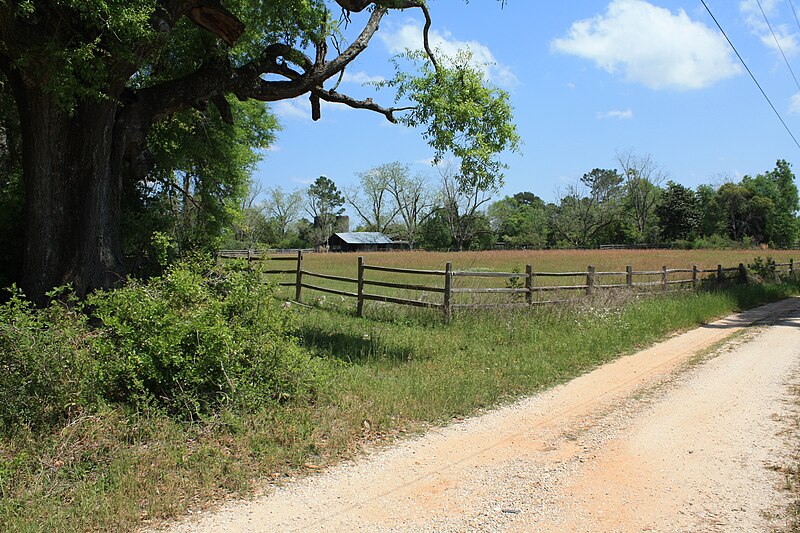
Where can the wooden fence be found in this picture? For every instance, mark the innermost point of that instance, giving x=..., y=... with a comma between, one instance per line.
x=526, y=288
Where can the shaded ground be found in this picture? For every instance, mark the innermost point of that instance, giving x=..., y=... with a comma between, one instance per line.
x=673, y=438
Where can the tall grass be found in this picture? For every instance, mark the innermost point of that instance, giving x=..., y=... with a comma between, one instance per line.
x=345, y=265
x=394, y=372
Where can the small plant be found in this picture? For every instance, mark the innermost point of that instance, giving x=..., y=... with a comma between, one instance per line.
x=764, y=270
x=516, y=283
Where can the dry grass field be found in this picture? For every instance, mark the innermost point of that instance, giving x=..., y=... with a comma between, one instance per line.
x=542, y=261
x=344, y=264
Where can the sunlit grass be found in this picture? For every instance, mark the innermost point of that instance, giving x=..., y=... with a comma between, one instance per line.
x=399, y=370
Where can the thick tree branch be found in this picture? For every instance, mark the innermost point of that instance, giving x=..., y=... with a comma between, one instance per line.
x=368, y=104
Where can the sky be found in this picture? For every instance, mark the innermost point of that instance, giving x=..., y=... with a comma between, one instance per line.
x=587, y=79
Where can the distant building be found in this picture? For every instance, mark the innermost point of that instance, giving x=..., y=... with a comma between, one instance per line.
x=363, y=241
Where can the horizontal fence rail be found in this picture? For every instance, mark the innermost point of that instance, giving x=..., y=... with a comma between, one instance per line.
x=524, y=288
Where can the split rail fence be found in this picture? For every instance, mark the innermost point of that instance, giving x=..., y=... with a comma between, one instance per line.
x=522, y=288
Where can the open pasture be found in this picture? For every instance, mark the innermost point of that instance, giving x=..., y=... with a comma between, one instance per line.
x=473, y=283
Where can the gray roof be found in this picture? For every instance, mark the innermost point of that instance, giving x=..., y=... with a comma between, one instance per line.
x=364, y=237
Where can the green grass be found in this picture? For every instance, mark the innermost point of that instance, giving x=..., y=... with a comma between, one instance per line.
x=401, y=370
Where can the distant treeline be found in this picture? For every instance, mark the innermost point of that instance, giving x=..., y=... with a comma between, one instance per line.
x=634, y=205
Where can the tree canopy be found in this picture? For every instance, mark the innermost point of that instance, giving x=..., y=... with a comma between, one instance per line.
x=100, y=86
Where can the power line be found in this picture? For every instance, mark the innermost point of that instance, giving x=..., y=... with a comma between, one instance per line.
x=794, y=11
x=777, y=42
x=751, y=74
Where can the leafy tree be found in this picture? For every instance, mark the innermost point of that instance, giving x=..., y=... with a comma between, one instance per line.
x=744, y=213
x=203, y=168
x=284, y=208
x=779, y=188
x=434, y=233
x=710, y=217
x=92, y=79
x=461, y=198
x=373, y=200
x=520, y=220
x=678, y=212
x=324, y=203
x=414, y=200
x=586, y=210
x=462, y=114
x=643, y=179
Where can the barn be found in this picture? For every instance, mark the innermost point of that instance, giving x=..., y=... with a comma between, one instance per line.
x=361, y=241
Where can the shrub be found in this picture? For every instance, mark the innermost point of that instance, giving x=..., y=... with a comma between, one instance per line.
x=764, y=270
x=48, y=371
x=197, y=338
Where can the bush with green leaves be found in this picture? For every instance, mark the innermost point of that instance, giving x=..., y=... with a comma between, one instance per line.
x=48, y=370
x=763, y=270
x=200, y=337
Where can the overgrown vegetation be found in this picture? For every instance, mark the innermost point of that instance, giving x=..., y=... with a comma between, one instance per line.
x=169, y=393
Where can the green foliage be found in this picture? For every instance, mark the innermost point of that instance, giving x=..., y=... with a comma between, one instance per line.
x=461, y=114
x=765, y=270
x=678, y=212
x=199, y=338
x=325, y=202
x=48, y=370
x=584, y=214
x=203, y=170
x=79, y=65
x=520, y=220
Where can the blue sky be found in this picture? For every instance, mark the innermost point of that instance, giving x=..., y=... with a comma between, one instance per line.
x=587, y=79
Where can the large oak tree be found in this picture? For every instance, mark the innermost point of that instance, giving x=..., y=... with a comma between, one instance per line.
x=90, y=78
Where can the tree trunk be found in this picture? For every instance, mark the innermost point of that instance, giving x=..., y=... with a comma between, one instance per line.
x=72, y=177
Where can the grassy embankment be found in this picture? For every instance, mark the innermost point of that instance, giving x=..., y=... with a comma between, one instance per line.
x=400, y=371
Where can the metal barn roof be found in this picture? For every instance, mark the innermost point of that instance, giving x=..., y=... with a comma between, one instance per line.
x=364, y=237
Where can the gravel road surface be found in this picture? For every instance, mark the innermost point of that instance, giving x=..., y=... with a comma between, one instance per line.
x=684, y=436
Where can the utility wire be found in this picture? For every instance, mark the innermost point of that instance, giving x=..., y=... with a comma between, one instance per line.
x=751, y=74
x=795, y=14
x=777, y=42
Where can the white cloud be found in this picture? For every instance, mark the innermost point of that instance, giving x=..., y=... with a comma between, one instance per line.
x=652, y=46
x=794, y=106
x=622, y=115
x=783, y=33
x=296, y=109
x=361, y=77
x=300, y=109
x=409, y=37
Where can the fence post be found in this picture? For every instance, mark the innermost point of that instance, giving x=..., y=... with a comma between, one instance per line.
x=742, y=274
x=360, y=310
x=249, y=259
x=299, y=277
x=664, y=278
x=694, y=277
x=590, y=274
x=529, y=284
x=720, y=275
x=629, y=275
x=448, y=291
x=791, y=266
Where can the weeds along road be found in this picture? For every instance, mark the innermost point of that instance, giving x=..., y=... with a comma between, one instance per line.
x=684, y=436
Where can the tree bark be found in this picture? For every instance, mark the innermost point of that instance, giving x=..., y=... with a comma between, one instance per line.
x=72, y=193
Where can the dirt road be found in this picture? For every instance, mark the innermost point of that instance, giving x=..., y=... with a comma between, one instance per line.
x=674, y=438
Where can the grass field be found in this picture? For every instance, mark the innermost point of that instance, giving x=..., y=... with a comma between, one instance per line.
x=345, y=265
x=398, y=370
